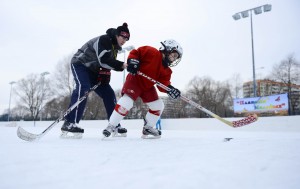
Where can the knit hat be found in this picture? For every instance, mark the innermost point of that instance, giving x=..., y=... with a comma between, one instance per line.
x=123, y=31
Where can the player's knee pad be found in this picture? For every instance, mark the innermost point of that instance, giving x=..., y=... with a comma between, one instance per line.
x=124, y=104
x=156, y=107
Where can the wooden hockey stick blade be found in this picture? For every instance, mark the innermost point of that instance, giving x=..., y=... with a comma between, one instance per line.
x=246, y=121
x=239, y=123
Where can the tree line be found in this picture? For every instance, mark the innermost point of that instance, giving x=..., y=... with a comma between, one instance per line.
x=47, y=99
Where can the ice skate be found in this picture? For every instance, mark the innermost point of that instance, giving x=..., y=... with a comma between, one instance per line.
x=120, y=132
x=150, y=133
x=71, y=131
x=110, y=129
x=114, y=131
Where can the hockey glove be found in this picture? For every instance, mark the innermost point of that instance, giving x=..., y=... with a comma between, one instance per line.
x=133, y=66
x=173, y=92
x=104, y=76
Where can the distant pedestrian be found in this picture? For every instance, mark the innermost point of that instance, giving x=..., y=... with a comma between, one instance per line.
x=158, y=124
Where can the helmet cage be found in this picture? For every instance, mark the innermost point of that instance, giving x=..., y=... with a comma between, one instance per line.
x=169, y=46
x=175, y=62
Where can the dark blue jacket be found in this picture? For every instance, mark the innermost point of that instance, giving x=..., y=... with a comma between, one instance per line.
x=99, y=52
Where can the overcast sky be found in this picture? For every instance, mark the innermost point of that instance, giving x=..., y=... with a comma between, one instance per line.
x=35, y=35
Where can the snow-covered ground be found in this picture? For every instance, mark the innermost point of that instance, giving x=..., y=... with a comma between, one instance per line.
x=191, y=154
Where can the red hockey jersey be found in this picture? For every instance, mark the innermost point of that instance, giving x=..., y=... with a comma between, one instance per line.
x=150, y=64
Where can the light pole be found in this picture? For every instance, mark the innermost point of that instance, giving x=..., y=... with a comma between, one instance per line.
x=11, y=83
x=259, y=68
x=258, y=83
x=245, y=14
x=42, y=99
x=129, y=48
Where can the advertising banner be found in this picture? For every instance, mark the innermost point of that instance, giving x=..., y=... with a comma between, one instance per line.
x=272, y=105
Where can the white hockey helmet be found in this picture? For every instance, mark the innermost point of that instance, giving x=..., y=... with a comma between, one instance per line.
x=169, y=46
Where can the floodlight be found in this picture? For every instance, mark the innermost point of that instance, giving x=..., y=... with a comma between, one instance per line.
x=236, y=16
x=245, y=14
x=257, y=10
x=267, y=7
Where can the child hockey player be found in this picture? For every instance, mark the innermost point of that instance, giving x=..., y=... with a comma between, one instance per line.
x=156, y=64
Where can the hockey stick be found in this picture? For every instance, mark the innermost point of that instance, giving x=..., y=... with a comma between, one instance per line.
x=25, y=135
x=239, y=123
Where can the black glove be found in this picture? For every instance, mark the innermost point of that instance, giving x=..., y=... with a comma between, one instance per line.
x=133, y=66
x=104, y=76
x=173, y=92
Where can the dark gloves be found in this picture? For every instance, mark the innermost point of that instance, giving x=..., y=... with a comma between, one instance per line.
x=173, y=92
x=133, y=66
x=104, y=76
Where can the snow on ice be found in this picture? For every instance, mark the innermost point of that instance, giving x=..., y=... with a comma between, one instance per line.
x=192, y=153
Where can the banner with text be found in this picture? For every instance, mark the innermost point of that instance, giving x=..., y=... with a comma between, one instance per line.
x=275, y=104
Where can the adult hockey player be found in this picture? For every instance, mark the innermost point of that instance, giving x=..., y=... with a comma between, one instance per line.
x=92, y=63
x=156, y=64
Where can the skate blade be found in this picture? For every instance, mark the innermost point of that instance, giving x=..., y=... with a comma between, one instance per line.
x=119, y=135
x=114, y=136
x=151, y=137
x=105, y=137
x=69, y=135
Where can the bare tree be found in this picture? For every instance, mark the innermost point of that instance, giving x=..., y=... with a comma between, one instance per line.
x=20, y=112
x=288, y=72
x=176, y=108
x=63, y=79
x=56, y=107
x=236, y=85
x=33, y=91
x=95, y=108
x=214, y=96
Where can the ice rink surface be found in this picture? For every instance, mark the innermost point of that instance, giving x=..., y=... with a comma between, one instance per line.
x=192, y=153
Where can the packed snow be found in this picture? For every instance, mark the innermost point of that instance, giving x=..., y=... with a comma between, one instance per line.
x=192, y=153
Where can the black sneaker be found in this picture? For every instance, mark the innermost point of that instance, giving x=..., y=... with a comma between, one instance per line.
x=71, y=127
